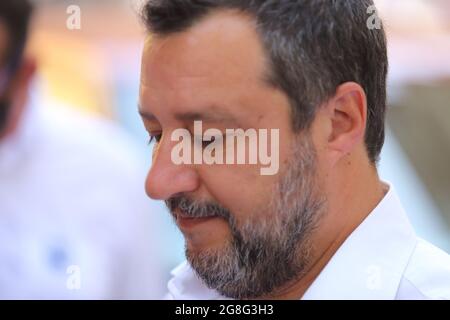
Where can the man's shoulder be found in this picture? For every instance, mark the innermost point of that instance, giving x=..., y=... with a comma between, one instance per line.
x=428, y=271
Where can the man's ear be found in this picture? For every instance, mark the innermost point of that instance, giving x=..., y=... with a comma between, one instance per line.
x=347, y=111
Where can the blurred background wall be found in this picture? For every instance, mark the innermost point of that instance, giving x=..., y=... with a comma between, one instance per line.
x=416, y=156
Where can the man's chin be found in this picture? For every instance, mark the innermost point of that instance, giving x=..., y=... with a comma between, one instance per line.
x=208, y=235
x=214, y=266
x=202, y=247
x=219, y=270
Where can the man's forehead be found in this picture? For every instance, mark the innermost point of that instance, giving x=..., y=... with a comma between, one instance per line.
x=224, y=44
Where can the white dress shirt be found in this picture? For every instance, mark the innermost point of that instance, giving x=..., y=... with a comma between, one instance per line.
x=75, y=222
x=381, y=259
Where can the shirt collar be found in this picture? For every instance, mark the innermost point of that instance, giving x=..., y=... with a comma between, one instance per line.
x=186, y=285
x=368, y=265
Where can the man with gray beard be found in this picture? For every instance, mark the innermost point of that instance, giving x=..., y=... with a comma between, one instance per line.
x=236, y=270
x=324, y=226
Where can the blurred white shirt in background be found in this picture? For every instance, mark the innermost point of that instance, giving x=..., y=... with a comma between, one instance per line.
x=74, y=219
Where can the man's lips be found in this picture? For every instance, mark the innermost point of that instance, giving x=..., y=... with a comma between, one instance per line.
x=187, y=222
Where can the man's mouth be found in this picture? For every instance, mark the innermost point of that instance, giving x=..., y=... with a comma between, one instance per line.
x=187, y=222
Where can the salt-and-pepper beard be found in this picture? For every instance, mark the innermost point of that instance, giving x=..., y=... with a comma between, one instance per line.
x=271, y=247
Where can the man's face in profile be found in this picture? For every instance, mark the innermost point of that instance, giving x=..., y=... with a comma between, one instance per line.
x=246, y=234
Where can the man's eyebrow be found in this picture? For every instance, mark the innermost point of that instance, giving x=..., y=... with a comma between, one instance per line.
x=146, y=115
x=209, y=116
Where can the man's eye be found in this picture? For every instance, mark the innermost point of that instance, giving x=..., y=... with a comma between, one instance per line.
x=205, y=142
x=155, y=137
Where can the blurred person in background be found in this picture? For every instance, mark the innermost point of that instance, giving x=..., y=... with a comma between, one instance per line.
x=74, y=223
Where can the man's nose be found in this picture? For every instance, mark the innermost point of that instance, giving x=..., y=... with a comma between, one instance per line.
x=165, y=178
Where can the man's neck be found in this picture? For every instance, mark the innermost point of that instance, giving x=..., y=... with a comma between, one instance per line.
x=354, y=198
